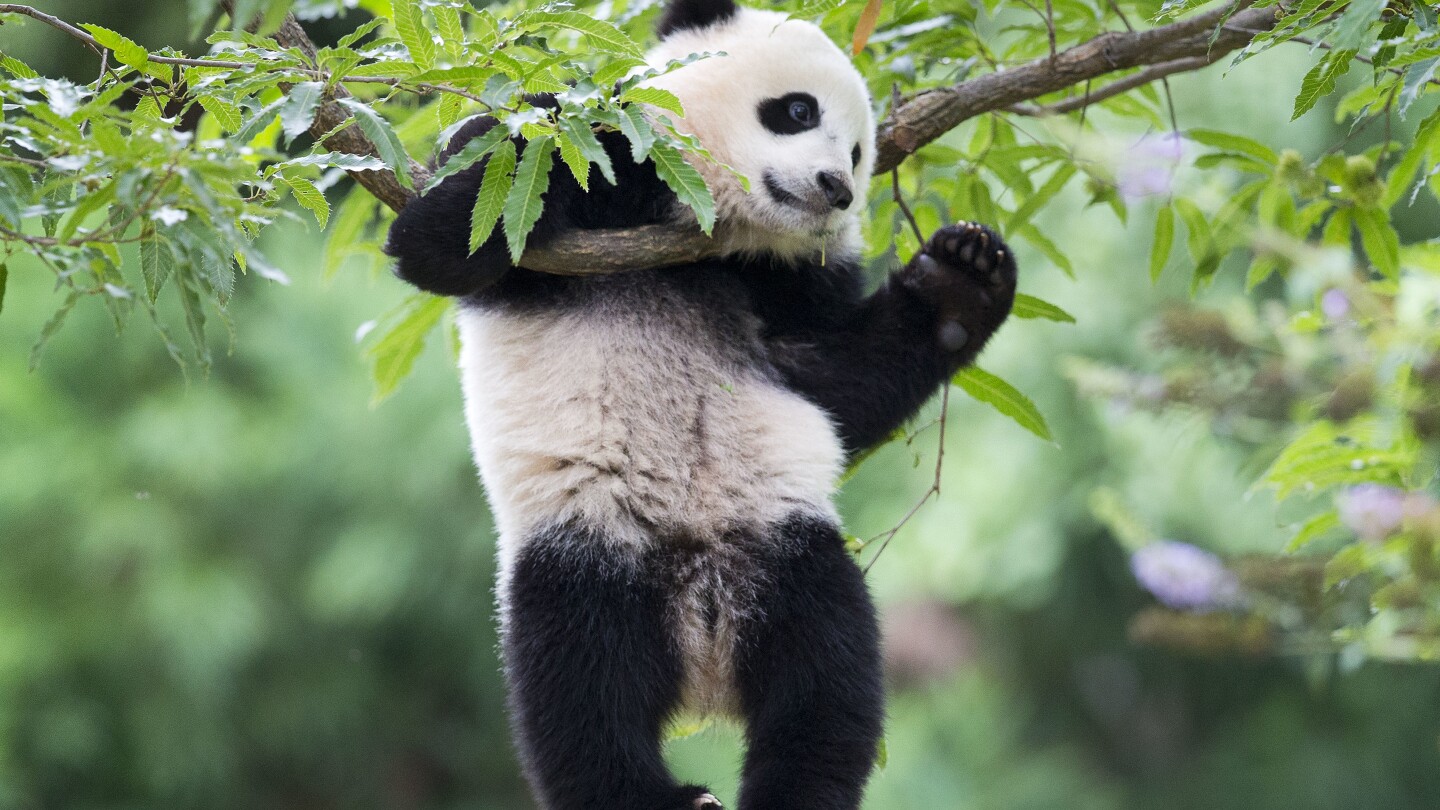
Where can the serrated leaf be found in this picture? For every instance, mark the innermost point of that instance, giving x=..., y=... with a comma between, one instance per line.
x=603, y=35
x=637, y=130
x=1164, y=241
x=360, y=33
x=469, y=155
x=494, y=188
x=312, y=198
x=583, y=137
x=570, y=155
x=18, y=69
x=526, y=199
x=686, y=182
x=410, y=25
x=227, y=115
x=298, y=111
x=126, y=50
x=655, y=97
x=258, y=122
x=616, y=70
x=1416, y=79
x=1320, y=81
x=1324, y=456
x=156, y=261
x=1234, y=143
x=451, y=29
x=337, y=160
x=1028, y=306
x=387, y=143
x=1003, y=397
x=393, y=355
x=1352, y=31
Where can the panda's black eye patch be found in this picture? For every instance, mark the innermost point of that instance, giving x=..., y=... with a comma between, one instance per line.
x=855, y=156
x=790, y=114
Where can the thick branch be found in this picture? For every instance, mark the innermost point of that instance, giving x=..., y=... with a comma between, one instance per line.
x=933, y=113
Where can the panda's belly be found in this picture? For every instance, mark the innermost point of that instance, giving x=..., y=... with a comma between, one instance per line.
x=642, y=424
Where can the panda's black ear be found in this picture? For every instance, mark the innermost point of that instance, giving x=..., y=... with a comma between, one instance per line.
x=682, y=14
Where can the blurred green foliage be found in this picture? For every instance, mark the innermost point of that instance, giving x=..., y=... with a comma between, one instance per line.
x=252, y=589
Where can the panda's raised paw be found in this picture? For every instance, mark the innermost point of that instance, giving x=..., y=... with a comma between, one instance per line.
x=707, y=802
x=967, y=273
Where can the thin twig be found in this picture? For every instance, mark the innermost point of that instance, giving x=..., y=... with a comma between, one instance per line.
x=900, y=201
x=932, y=492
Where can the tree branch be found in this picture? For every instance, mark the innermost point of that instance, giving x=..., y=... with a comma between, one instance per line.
x=1186, y=45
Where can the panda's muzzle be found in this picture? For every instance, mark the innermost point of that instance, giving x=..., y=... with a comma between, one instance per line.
x=831, y=191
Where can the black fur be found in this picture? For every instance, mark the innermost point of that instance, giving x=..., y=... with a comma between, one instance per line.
x=594, y=672
x=593, y=676
x=681, y=14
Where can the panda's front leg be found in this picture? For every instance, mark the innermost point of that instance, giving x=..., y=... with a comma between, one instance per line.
x=879, y=359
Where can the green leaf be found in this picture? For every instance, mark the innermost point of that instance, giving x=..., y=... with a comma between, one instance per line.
x=126, y=51
x=1351, y=32
x=89, y=204
x=393, y=355
x=687, y=183
x=451, y=29
x=1416, y=80
x=603, y=35
x=310, y=197
x=51, y=327
x=356, y=211
x=526, y=198
x=18, y=69
x=410, y=25
x=1325, y=455
x=1381, y=242
x=1314, y=529
x=655, y=97
x=583, y=137
x=1041, y=242
x=490, y=202
x=227, y=115
x=298, y=111
x=156, y=261
x=469, y=154
x=579, y=166
x=1320, y=81
x=1028, y=306
x=1042, y=195
x=1003, y=397
x=258, y=122
x=638, y=131
x=1234, y=143
x=1164, y=241
x=387, y=143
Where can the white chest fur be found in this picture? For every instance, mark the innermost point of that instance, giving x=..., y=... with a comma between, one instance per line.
x=640, y=417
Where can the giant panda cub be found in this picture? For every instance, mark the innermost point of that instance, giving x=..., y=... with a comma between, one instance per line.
x=660, y=447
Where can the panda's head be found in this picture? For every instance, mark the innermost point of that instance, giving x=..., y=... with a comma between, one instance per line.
x=785, y=108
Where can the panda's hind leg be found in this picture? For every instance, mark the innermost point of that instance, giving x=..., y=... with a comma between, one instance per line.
x=809, y=675
x=593, y=675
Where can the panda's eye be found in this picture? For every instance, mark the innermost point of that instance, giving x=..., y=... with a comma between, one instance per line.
x=855, y=156
x=790, y=114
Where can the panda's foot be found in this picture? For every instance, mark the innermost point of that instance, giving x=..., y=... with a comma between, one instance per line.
x=705, y=801
x=967, y=273
x=698, y=798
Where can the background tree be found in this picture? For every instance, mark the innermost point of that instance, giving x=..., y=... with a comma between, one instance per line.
x=216, y=596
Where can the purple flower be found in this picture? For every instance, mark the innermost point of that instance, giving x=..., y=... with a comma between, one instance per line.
x=1184, y=577
x=1372, y=511
x=1148, y=167
x=1335, y=304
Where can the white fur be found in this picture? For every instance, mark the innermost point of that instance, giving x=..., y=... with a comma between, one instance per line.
x=765, y=56
x=651, y=416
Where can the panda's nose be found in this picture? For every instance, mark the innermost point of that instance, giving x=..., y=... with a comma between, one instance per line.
x=836, y=188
